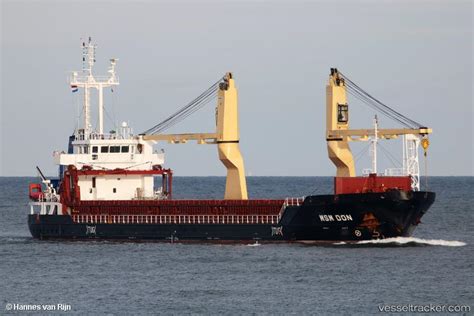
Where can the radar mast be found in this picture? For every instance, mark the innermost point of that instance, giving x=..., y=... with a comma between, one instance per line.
x=87, y=81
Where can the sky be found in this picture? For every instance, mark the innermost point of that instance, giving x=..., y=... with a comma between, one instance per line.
x=416, y=56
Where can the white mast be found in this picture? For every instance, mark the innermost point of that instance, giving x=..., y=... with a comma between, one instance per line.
x=87, y=81
x=374, y=146
x=88, y=59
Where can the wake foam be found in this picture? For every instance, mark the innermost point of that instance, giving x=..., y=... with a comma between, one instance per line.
x=406, y=241
x=256, y=244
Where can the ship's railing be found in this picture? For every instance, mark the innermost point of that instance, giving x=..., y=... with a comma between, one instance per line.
x=294, y=201
x=48, y=197
x=176, y=219
x=291, y=201
x=366, y=171
x=45, y=208
x=105, y=136
x=394, y=172
x=389, y=172
x=86, y=79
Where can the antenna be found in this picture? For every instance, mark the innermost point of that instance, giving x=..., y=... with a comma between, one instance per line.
x=111, y=71
x=87, y=81
x=89, y=56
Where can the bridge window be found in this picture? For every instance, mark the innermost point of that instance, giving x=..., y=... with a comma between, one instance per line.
x=114, y=149
x=125, y=149
x=342, y=113
x=104, y=149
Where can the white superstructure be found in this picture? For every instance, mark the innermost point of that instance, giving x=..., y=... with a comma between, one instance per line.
x=120, y=150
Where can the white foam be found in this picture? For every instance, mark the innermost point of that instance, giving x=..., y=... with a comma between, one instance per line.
x=407, y=240
x=256, y=244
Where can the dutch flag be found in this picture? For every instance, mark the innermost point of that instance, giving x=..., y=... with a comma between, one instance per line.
x=74, y=88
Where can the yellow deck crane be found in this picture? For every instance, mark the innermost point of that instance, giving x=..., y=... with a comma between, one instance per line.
x=338, y=134
x=226, y=136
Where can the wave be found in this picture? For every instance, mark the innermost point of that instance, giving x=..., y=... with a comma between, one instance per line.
x=405, y=242
x=12, y=239
x=256, y=244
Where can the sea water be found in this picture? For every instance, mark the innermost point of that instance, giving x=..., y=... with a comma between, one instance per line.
x=435, y=266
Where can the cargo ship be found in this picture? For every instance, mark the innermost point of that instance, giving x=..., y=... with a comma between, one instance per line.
x=107, y=184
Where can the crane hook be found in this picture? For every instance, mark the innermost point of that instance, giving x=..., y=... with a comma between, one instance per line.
x=425, y=143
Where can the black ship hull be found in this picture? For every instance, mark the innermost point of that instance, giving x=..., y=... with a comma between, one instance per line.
x=343, y=217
